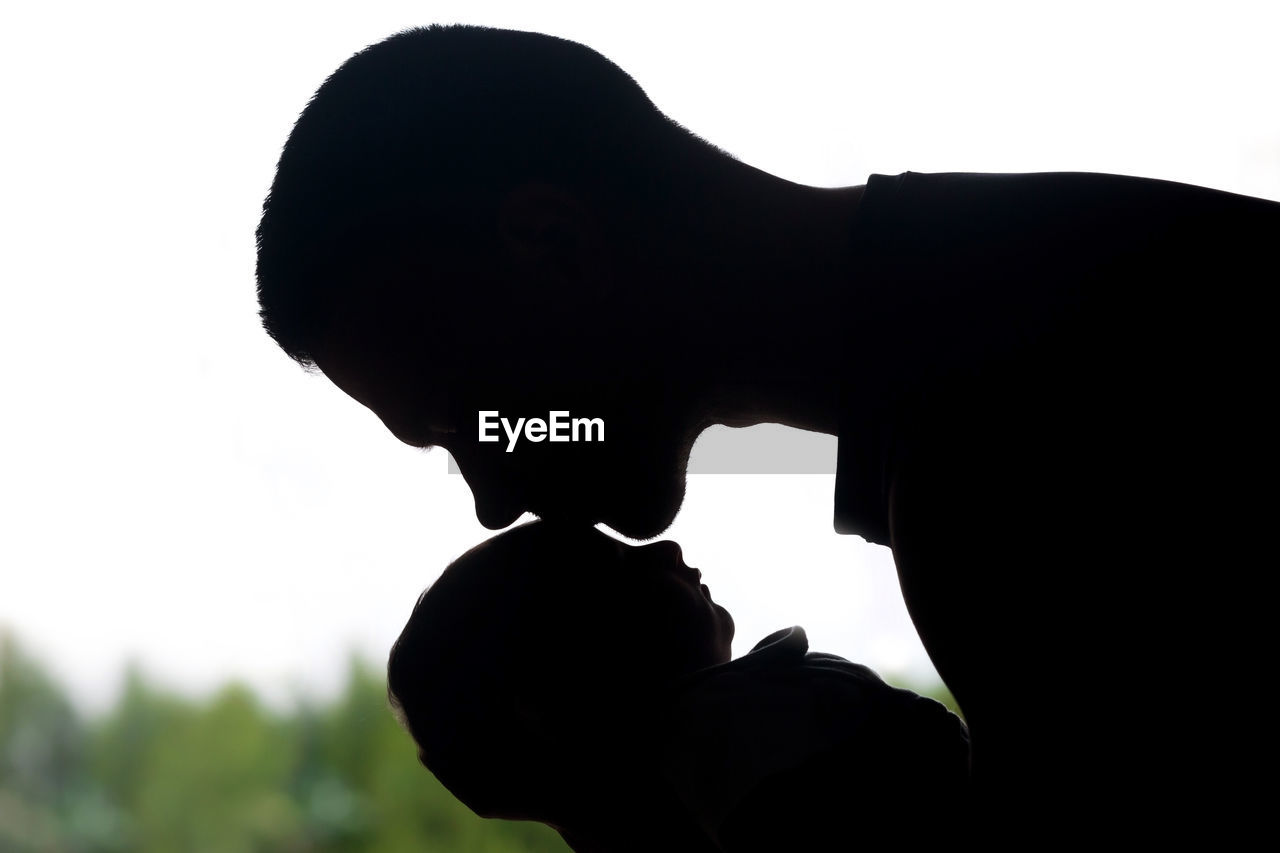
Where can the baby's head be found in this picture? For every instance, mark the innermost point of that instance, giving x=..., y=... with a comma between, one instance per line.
x=529, y=672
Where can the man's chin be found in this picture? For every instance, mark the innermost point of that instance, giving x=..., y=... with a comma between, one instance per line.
x=637, y=532
x=643, y=511
x=563, y=516
x=645, y=521
x=637, y=523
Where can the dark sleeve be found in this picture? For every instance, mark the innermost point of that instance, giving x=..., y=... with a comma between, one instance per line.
x=907, y=783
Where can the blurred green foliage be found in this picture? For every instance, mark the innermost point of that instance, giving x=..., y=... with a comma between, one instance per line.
x=159, y=773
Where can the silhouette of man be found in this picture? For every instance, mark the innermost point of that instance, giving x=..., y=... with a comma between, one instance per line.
x=1048, y=388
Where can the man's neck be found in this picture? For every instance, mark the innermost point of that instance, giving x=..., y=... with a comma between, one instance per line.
x=764, y=276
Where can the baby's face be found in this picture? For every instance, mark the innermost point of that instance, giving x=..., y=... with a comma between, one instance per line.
x=650, y=587
x=642, y=598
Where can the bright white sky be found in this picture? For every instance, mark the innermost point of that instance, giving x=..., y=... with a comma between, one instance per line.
x=174, y=490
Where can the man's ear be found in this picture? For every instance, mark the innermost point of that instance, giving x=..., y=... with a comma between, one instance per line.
x=554, y=239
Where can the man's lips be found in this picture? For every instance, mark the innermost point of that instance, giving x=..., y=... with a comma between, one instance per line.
x=568, y=515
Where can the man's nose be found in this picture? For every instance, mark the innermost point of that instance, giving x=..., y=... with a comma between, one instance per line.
x=497, y=504
x=496, y=513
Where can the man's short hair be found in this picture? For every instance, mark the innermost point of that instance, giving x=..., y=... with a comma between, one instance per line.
x=422, y=133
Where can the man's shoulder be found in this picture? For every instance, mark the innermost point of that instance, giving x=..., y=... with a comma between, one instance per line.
x=1010, y=212
x=1066, y=185
x=979, y=289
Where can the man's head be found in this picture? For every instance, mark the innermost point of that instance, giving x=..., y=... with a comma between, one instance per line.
x=465, y=219
x=530, y=671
